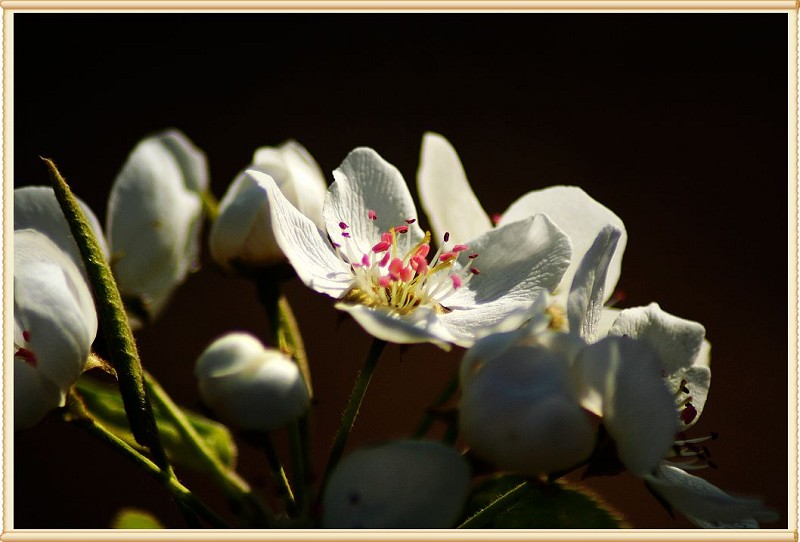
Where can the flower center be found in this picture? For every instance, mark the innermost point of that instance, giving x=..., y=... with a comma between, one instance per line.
x=399, y=275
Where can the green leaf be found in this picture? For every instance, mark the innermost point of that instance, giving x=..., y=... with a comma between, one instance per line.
x=106, y=406
x=113, y=319
x=134, y=518
x=511, y=502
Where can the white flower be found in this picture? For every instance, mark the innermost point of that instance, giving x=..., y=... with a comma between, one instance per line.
x=54, y=325
x=249, y=386
x=36, y=207
x=242, y=233
x=377, y=261
x=154, y=217
x=405, y=484
x=519, y=408
x=451, y=205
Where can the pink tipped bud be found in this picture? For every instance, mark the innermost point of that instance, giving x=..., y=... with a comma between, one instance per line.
x=410, y=220
x=419, y=264
x=394, y=268
x=460, y=248
x=422, y=251
x=371, y=214
x=383, y=246
x=343, y=225
x=456, y=281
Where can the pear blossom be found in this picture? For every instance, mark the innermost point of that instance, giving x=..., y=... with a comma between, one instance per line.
x=250, y=386
x=55, y=324
x=154, y=218
x=404, y=484
x=451, y=205
x=378, y=263
x=242, y=232
x=36, y=207
x=519, y=410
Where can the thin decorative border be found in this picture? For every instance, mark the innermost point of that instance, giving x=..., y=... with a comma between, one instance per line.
x=791, y=7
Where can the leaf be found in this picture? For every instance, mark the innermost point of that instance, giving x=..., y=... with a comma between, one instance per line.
x=105, y=404
x=509, y=502
x=113, y=320
x=134, y=518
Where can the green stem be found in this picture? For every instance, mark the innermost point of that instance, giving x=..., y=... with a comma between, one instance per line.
x=444, y=396
x=278, y=472
x=353, y=405
x=185, y=499
x=296, y=445
x=485, y=515
x=233, y=485
x=114, y=322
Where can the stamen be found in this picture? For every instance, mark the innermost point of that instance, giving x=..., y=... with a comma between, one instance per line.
x=26, y=335
x=456, y=281
x=343, y=226
x=346, y=234
x=401, y=229
x=27, y=355
x=473, y=256
x=460, y=248
x=446, y=236
x=365, y=261
x=371, y=214
x=474, y=271
x=688, y=414
x=410, y=220
x=496, y=218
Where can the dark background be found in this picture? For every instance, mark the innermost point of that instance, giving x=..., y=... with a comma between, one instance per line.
x=677, y=122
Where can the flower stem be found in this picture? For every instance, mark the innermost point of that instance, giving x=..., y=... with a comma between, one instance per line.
x=185, y=499
x=444, y=396
x=278, y=472
x=485, y=515
x=230, y=482
x=353, y=404
x=114, y=322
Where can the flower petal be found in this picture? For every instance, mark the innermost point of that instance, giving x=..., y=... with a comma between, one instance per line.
x=420, y=325
x=445, y=193
x=53, y=306
x=34, y=395
x=620, y=379
x=153, y=223
x=306, y=247
x=581, y=218
x=298, y=176
x=402, y=484
x=36, y=207
x=242, y=231
x=705, y=504
x=366, y=182
x=517, y=262
x=519, y=411
x=191, y=160
x=587, y=295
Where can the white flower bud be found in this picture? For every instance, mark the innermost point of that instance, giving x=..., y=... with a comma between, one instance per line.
x=406, y=484
x=249, y=386
x=154, y=217
x=54, y=325
x=520, y=412
x=242, y=232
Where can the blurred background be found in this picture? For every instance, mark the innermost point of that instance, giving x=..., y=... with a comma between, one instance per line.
x=676, y=122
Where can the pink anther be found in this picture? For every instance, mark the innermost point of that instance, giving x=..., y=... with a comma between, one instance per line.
x=26, y=335
x=385, y=259
x=365, y=260
x=456, y=281
x=401, y=229
x=422, y=251
x=345, y=234
x=460, y=248
x=447, y=256
x=474, y=271
x=410, y=220
x=27, y=355
x=343, y=226
x=385, y=280
x=371, y=214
